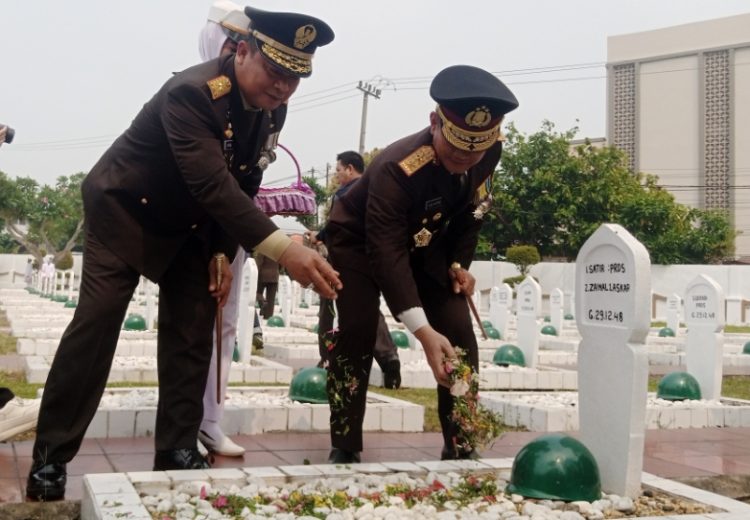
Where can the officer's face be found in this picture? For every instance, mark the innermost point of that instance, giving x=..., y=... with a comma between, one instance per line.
x=453, y=159
x=263, y=85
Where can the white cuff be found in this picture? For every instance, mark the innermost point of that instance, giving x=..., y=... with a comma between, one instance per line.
x=413, y=319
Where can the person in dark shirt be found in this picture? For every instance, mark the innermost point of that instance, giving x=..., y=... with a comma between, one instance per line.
x=349, y=168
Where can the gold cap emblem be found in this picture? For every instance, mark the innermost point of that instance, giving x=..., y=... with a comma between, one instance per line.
x=479, y=117
x=422, y=238
x=304, y=36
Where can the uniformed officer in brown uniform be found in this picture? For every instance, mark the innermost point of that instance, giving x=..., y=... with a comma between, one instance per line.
x=172, y=192
x=409, y=228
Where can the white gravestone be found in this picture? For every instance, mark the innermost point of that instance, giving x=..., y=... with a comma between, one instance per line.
x=734, y=299
x=150, y=304
x=704, y=317
x=501, y=301
x=71, y=285
x=674, y=303
x=246, y=308
x=285, y=298
x=556, y=309
x=613, y=286
x=528, y=306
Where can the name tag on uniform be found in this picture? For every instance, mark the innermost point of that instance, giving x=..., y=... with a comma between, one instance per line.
x=433, y=204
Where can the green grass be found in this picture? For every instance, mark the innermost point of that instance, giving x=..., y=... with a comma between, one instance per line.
x=7, y=342
x=729, y=329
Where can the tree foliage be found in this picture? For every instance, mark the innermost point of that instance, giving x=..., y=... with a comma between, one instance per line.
x=523, y=257
x=321, y=195
x=554, y=198
x=40, y=218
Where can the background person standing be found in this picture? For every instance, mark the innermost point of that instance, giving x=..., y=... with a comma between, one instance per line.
x=349, y=168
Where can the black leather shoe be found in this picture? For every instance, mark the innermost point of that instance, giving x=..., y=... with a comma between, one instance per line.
x=46, y=481
x=338, y=456
x=185, y=458
x=392, y=375
x=452, y=454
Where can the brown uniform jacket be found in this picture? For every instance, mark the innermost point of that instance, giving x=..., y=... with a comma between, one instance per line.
x=403, y=192
x=167, y=177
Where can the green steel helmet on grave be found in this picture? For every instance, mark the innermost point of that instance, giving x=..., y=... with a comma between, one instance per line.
x=486, y=323
x=746, y=348
x=508, y=355
x=134, y=322
x=666, y=332
x=555, y=467
x=549, y=330
x=493, y=333
x=400, y=339
x=309, y=386
x=678, y=386
x=275, y=321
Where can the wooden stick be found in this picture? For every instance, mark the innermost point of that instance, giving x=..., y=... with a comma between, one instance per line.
x=476, y=315
x=219, y=264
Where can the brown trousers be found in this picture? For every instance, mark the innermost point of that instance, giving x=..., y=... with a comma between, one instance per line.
x=350, y=360
x=83, y=359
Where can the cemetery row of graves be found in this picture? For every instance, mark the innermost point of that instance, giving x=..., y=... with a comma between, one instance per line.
x=553, y=371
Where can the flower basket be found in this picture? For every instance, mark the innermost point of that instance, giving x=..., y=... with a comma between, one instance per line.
x=296, y=199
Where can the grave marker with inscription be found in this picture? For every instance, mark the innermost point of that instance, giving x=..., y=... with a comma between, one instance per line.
x=674, y=304
x=285, y=298
x=704, y=345
x=501, y=301
x=528, y=306
x=246, y=308
x=612, y=312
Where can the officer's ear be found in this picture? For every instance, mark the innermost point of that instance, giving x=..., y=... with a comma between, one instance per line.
x=434, y=122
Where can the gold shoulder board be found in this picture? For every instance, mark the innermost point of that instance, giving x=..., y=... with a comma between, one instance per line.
x=219, y=86
x=417, y=159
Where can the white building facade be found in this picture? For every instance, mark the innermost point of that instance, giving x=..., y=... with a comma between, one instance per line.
x=679, y=105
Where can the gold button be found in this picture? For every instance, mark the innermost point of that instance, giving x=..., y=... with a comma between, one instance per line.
x=243, y=167
x=144, y=201
x=424, y=221
x=194, y=226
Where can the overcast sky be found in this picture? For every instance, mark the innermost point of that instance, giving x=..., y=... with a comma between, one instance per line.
x=76, y=72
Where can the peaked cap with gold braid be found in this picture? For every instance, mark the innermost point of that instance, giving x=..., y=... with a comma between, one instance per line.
x=471, y=106
x=288, y=40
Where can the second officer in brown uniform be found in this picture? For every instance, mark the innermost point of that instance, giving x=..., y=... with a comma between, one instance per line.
x=409, y=228
x=172, y=191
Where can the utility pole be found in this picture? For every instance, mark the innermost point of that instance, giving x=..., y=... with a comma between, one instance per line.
x=368, y=90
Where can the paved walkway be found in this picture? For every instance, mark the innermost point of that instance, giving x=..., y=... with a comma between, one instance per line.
x=669, y=453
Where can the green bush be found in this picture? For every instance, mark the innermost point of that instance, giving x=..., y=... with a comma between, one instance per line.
x=66, y=262
x=523, y=257
x=514, y=280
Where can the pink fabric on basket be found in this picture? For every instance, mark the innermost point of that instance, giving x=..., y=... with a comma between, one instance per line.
x=297, y=199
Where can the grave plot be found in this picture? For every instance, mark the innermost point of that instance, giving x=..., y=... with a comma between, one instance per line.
x=131, y=412
x=142, y=369
x=417, y=374
x=555, y=412
x=147, y=495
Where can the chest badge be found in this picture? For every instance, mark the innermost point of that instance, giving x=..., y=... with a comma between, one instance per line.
x=422, y=238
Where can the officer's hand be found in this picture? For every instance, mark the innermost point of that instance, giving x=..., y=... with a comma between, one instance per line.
x=463, y=280
x=308, y=268
x=220, y=291
x=437, y=348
